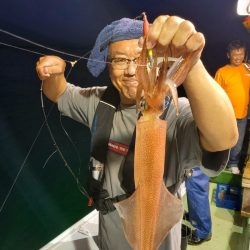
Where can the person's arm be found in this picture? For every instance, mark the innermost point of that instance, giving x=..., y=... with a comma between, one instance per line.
x=50, y=70
x=212, y=110
x=219, y=78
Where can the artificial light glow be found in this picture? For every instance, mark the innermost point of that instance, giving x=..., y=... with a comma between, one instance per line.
x=243, y=7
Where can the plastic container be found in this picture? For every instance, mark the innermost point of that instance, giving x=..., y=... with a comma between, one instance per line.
x=228, y=196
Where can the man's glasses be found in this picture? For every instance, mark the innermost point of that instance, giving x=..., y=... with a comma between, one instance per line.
x=122, y=63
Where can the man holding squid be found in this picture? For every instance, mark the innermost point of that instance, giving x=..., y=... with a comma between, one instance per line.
x=201, y=134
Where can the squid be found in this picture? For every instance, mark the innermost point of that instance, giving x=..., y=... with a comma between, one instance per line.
x=151, y=211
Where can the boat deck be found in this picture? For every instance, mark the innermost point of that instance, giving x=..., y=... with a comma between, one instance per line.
x=230, y=231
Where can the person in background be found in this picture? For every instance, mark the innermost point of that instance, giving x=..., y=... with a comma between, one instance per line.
x=197, y=189
x=197, y=192
x=201, y=134
x=234, y=78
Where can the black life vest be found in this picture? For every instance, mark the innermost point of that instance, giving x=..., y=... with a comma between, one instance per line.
x=101, y=129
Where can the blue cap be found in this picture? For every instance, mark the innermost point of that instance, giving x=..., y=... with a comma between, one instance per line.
x=123, y=29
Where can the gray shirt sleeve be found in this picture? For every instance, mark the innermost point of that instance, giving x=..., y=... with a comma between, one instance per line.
x=80, y=103
x=191, y=152
x=184, y=149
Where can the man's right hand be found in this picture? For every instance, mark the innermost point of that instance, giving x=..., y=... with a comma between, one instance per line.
x=50, y=66
x=50, y=69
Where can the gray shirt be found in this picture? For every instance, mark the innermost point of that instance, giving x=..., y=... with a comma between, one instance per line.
x=183, y=152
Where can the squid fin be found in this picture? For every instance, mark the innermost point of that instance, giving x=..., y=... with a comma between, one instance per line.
x=167, y=213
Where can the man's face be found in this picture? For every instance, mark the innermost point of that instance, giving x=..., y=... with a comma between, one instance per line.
x=123, y=77
x=236, y=56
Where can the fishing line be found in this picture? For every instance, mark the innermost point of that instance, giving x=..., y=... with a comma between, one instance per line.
x=72, y=63
x=23, y=164
x=27, y=50
x=84, y=192
x=38, y=44
x=47, y=116
x=73, y=144
x=83, y=57
x=58, y=150
x=80, y=187
x=44, y=165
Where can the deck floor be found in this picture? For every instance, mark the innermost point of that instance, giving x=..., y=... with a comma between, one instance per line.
x=227, y=228
x=228, y=231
